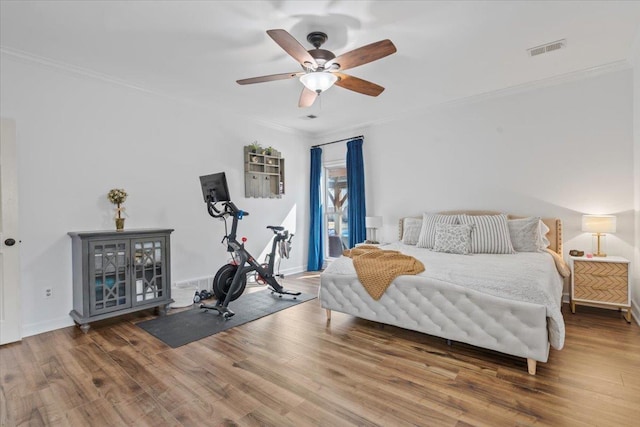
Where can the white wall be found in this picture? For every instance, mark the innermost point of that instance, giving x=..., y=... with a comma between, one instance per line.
x=555, y=151
x=79, y=136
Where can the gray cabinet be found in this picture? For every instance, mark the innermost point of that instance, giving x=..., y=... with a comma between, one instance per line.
x=263, y=174
x=119, y=272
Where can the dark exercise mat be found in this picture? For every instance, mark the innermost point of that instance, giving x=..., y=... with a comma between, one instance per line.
x=194, y=324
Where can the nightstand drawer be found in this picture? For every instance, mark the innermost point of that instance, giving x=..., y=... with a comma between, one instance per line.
x=605, y=282
x=601, y=269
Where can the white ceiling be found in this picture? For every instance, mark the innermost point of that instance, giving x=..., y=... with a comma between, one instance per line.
x=196, y=50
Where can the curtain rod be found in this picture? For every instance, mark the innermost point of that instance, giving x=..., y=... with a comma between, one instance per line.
x=340, y=140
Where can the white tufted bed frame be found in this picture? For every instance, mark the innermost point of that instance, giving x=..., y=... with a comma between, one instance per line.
x=525, y=335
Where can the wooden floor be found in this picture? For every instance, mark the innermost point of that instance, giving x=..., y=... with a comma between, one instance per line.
x=293, y=368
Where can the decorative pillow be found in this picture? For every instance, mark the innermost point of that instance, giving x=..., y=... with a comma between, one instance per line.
x=411, y=230
x=490, y=235
x=525, y=234
x=428, y=231
x=453, y=239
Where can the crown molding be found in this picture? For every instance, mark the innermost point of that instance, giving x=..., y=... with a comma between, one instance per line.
x=30, y=58
x=86, y=72
x=494, y=94
x=396, y=116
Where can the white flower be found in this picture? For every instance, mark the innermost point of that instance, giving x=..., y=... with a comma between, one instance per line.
x=117, y=196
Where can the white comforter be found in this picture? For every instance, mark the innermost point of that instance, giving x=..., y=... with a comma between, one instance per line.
x=524, y=276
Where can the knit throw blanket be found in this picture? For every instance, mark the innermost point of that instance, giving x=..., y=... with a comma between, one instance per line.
x=377, y=268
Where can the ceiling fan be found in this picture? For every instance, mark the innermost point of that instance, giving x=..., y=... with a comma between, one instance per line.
x=321, y=68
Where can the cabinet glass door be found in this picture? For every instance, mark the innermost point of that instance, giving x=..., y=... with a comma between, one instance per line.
x=148, y=270
x=108, y=290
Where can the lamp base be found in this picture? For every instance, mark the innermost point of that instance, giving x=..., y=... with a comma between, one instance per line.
x=371, y=238
x=598, y=245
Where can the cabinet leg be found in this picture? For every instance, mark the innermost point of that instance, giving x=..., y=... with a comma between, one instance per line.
x=85, y=327
x=162, y=310
x=573, y=307
x=627, y=315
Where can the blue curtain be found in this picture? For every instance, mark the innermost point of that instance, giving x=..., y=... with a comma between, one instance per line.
x=355, y=190
x=316, y=251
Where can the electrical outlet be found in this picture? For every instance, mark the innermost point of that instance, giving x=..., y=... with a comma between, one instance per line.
x=48, y=293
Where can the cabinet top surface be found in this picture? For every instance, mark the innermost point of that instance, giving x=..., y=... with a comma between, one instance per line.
x=600, y=259
x=124, y=233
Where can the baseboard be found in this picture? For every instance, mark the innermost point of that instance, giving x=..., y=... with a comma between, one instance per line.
x=635, y=309
x=293, y=270
x=635, y=312
x=46, y=326
x=204, y=282
x=66, y=321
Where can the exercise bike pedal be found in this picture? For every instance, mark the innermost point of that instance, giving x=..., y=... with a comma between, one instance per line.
x=224, y=311
x=227, y=314
x=284, y=292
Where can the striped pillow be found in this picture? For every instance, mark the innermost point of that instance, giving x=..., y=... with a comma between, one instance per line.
x=428, y=231
x=490, y=235
x=411, y=230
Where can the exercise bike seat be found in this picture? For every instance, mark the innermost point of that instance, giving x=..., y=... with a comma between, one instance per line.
x=275, y=227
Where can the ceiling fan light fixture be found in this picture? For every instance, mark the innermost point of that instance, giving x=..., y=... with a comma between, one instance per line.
x=318, y=81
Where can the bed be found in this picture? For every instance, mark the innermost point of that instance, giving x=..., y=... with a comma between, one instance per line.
x=507, y=303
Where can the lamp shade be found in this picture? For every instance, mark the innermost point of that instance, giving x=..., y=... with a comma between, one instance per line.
x=599, y=223
x=318, y=81
x=373, y=222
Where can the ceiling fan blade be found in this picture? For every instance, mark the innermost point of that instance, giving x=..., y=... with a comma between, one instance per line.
x=307, y=97
x=269, y=78
x=363, y=55
x=358, y=85
x=293, y=48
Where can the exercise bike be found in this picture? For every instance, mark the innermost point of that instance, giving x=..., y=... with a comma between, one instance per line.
x=231, y=279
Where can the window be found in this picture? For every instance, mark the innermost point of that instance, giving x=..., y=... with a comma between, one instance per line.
x=336, y=218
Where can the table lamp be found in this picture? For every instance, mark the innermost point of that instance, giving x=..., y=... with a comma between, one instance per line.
x=372, y=223
x=599, y=225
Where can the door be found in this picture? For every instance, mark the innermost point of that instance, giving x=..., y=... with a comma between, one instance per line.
x=336, y=220
x=10, y=318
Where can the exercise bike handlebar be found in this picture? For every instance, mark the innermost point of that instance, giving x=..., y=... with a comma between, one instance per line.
x=229, y=209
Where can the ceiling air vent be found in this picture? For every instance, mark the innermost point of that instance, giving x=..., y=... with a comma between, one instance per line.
x=549, y=47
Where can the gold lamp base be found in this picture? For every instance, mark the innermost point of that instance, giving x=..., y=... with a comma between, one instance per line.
x=598, y=253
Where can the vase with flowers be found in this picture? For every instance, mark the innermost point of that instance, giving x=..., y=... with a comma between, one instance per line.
x=117, y=196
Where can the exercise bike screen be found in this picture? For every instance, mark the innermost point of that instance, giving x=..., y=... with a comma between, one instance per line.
x=215, y=186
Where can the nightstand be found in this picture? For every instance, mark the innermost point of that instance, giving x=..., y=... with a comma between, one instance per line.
x=601, y=282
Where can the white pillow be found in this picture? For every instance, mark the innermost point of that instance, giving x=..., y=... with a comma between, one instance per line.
x=490, y=235
x=428, y=231
x=543, y=242
x=525, y=234
x=453, y=239
x=411, y=230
